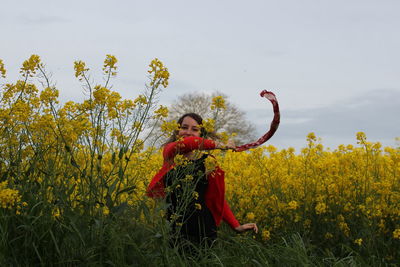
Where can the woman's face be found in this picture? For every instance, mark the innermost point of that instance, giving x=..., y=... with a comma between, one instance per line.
x=189, y=127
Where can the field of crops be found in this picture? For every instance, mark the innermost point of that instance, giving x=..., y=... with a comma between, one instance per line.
x=73, y=179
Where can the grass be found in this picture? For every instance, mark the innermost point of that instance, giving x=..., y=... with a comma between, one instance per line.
x=38, y=239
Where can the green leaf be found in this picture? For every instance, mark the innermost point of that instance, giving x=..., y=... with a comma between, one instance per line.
x=73, y=163
x=121, y=153
x=129, y=190
x=113, y=158
x=120, y=173
x=119, y=209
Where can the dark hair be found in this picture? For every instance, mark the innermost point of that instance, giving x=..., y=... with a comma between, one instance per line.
x=199, y=120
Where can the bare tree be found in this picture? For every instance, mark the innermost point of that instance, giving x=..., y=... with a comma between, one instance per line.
x=230, y=120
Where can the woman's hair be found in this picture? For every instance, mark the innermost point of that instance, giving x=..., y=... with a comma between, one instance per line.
x=199, y=120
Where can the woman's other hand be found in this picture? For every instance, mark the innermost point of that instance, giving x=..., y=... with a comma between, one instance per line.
x=246, y=227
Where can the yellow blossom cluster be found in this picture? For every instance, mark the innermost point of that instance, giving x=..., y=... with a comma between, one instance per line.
x=266, y=234
x=332, y=195
x=209, y=125
x=2, y=69
x=30, y=65
x=160, y=73
x=396, y=233
x=218, y=102
x=169, y=127
x=161, y=112
x=49, y=95
x=141, y=100
x=210, y=164
x=109, y=66
x=80, y=69
x=9, y=198
x=180, y=160
x=293, y=205
x=86, y=156
x=358, y=241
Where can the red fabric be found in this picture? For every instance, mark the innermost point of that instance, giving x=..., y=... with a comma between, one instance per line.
x=274, y=124
x=215, y=194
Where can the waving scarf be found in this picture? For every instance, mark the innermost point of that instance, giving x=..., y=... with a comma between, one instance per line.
x=274, y=124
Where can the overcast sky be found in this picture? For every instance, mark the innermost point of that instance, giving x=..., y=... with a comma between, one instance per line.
x=333, y=64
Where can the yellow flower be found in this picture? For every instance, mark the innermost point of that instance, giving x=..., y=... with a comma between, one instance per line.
x=208, y=125
x=293, y=205
x=159, y=72
x=162, y=111
x=56, y=212
x=49, y=95
x=210, y=163
x=106, y=210
x=138, y=145
x=250, y=216
x=266, y=235
x=189, y=178
x=224, y=137
x=328, y=235
x=174, y=217
x=218, y=102
x=311, y=137
x=271, y=149
x=180, y=160
x=2, y=69
x=30, y=66
x=9, y=198
x=126, y=104
x=361, y=138
x=197, y=206
x=170, y=127
x=141, y=100
x=115, y=133
x=80, y=69
x=358, y=241
x=345, y=228
x=320, y=208
x=195, y=195
x=137, y=125
x=396, y=233
x=109, y=65
x=100, y=94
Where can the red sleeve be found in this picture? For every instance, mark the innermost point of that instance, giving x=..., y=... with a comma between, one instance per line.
x=156, y=186
x=228, y=216
x=187, y=145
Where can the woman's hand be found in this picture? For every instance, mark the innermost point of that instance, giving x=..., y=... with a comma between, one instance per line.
x=230, y=144
x=246, y=227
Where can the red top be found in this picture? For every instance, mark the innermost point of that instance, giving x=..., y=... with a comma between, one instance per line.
x=215, y=194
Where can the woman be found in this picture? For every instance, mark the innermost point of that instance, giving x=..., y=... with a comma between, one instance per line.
x=195, y=194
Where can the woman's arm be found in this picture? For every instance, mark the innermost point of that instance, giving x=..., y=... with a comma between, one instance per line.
x=187, y=145
x=229, y=218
